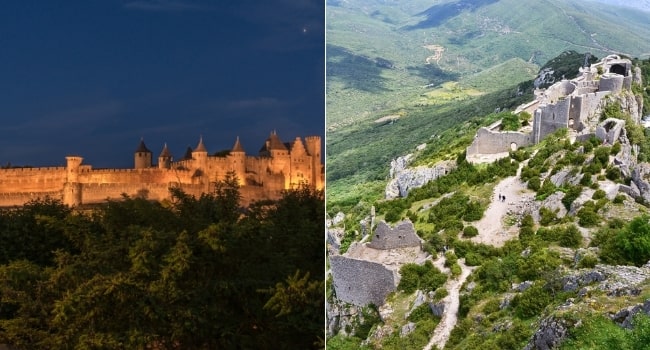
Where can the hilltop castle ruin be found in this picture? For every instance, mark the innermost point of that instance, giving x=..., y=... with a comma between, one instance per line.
x=571, y=104
x=279, y=166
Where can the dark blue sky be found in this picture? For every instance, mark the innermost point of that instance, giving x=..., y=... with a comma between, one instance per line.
x=91, y=77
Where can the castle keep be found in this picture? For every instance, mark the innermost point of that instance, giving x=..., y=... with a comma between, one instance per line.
x=278, y=166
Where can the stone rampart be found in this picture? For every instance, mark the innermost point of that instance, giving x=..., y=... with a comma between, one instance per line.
x=20, y=198
x=32, y=179
x=97, y=193
x=402, y=235
x=361, y=282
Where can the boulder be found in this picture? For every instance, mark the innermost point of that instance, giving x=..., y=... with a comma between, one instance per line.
x=438, y=308
x=550, y=334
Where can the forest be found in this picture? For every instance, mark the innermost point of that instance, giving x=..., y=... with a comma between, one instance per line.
x=190, y=273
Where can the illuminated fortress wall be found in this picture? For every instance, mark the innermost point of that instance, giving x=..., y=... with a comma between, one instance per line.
x=279, y=166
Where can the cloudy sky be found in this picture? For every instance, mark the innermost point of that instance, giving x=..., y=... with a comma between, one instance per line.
x=92, y=77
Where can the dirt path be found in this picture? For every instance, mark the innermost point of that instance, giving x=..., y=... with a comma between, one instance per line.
x=491, y=228
x=452, y=302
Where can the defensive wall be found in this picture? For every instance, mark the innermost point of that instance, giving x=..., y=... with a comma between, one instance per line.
x=280, y=166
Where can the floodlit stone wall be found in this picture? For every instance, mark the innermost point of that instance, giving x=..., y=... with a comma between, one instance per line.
x=261, y=177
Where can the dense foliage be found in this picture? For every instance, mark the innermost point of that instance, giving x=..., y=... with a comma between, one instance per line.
x=198, y=273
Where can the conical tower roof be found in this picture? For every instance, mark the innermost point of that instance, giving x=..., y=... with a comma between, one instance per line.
x=275, y=143
x=237, y=147
x=142, y=148
x=200, y=147
x=165, y=152
x=188, y=153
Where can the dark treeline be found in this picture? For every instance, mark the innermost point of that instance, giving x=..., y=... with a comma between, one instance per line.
x=193, y=273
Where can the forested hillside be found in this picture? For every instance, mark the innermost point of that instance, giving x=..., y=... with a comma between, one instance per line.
x=429, y=67
x=193, y=273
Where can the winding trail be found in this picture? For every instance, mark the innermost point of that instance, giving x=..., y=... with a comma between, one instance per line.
x=491, y=227
x=452, y=302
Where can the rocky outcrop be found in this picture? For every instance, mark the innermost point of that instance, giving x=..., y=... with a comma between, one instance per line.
x=403, y=179
x=625, y=317
x=575, y=281
x=549, y=335
x=640, y=175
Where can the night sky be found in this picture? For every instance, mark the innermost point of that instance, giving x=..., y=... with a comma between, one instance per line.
x=92, y=77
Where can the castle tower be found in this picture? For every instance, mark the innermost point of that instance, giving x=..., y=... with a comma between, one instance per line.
x=200, y=155
x=300, y=164
x=165, y=158
x=313, y=149
x=238, y=158
x=142, y=156
x=72, y=187
x=280, y=161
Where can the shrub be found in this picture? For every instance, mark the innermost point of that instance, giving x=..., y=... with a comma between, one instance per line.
x=620, y=198
x=440, y=293
x=570, y=237
x=587, y=216
x=586, y=179
x=470, y=231
x=588, y=261
x=547, y=216
x=455, y=270
x=422, y=312
x=602, y=154
x=613, y=173
x=450, y=258
x=424, y=277
x=571, y=194
x=534, y=183
x=472, y=259
x=598, y=194
x=531, y=302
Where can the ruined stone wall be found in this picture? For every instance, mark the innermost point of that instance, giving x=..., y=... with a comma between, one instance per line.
x=589, y=106
x=551, y=117
x=361, y=282
x=487, y=141
x=586, y=87
x=402, y=235
x=611, y=82
x=558, y=91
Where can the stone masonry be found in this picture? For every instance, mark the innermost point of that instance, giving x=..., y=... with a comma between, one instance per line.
x=279, y=166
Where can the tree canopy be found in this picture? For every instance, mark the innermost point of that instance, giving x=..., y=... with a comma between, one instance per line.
x=199, y=273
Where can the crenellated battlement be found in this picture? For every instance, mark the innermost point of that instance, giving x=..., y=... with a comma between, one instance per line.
x=261, y=177
x=30, y=170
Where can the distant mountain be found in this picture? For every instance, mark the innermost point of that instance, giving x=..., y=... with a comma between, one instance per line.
x=643, y=5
